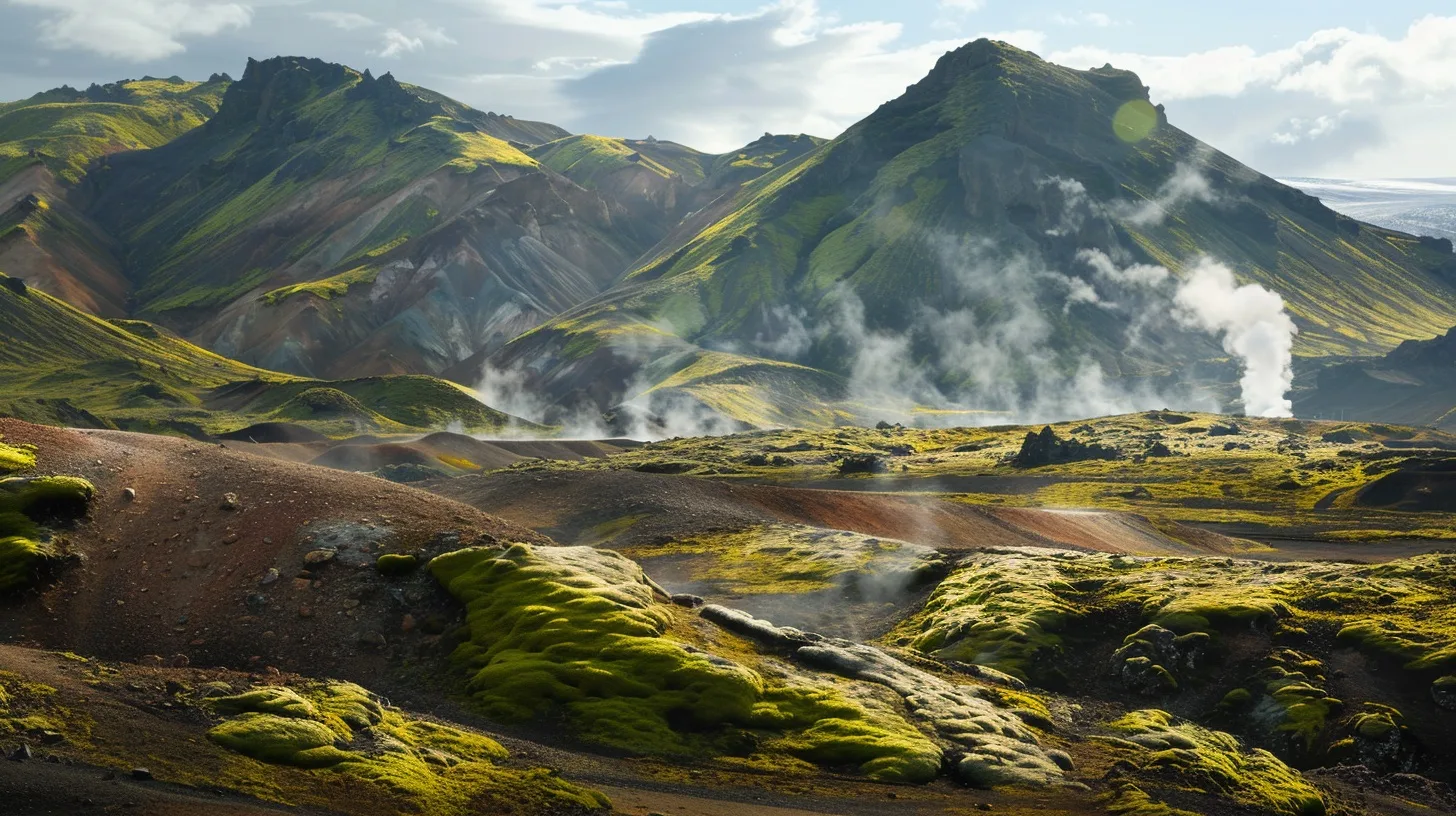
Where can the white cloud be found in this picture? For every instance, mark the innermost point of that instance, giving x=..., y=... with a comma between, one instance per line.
x=419, y=34
x=1095, y=19
x=716, y=84
x=1300, y=130
x=1335, y=64
x=135, y=30
x=962, y=5
x=345, y=20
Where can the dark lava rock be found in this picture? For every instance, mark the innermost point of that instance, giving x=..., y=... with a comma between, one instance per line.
x=1046, y=448
x=141, y=774
x=1231, y=429
x=1443, y=692
x=22, y=753
x=1158, y=449
x=863, y=463
x=15, y=285
x=689, y=601
x=1339, y=437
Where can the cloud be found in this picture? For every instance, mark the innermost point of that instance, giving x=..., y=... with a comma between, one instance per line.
x=1092, y=18
x=716, y=84
x=420, y=33
x=344, y=20
x=136, y=30
x=1336, y=64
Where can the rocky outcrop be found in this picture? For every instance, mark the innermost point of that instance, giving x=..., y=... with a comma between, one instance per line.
x=1046, y=448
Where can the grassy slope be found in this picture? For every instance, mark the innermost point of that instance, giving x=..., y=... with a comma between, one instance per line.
x=67, y=129
x=57, y=363
x=314, y=140
x=586, y=158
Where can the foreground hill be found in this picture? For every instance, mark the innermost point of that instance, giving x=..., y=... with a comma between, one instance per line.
x=60, y=365
x=1034, y=677
x=987, y=237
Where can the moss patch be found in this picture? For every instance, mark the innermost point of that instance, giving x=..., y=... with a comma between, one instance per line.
x=26, y=549
x=342, y=728
x=1170, y=760
x=580, y=631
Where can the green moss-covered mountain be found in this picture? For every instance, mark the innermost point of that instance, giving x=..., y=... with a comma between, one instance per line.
x=61, y=366
x=968, y=219
x=330, y=223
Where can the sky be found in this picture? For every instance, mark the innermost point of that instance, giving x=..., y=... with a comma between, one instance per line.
x=1291, y=87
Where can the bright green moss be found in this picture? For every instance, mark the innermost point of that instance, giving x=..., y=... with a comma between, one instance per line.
x=342, y=728
x=581, y=630
x=1166, y=753
x=13, y=458
x=25, y=549
x=396, y=564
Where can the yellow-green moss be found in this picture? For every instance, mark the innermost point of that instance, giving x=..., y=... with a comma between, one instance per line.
x=581, y=630
x=342, y=728
x=25, y=548
x=1181, y=757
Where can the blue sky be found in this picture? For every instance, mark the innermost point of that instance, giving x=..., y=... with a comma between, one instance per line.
x=1292, y=87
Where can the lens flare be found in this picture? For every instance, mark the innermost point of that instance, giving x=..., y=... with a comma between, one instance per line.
x=1135, y=120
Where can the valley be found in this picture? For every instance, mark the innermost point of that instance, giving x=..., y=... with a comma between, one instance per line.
x=1012, y=451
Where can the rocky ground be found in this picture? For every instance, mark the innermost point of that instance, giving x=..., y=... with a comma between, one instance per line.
x=760, y=649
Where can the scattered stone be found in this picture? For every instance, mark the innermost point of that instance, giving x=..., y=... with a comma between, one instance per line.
x=180, y=661
x=269, y=577
x=22, y=753
x=141, y=774
x=1338, y=437
x=128, y=494
x=229, y=502
x=151, y=661
x=1230, y=429
x=305, y=611
x=374, y=640
x=689, y=601
x=317, y=557
x=51, y=738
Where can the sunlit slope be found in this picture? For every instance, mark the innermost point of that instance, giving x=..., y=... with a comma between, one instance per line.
x=63, y=366
x=298, y=151
x=65, y=129
x=1000, y=166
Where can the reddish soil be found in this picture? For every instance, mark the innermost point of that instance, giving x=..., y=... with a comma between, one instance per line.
x=174, y=573
x=570, y=505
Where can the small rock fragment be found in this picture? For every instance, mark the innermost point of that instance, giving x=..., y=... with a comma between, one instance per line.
x=269, y=577
x=141, y=774
x=128, y=494
x=229, y=501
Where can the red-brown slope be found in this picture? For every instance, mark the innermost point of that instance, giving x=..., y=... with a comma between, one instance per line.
x=174, y=573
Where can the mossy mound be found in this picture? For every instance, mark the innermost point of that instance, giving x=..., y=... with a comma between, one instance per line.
x=342, y=728
x=25, y=504
x=326, y=404
x=396, y=564
x=13, y=458
x=581, y=630
x=1012, y=609
x=1167, y=760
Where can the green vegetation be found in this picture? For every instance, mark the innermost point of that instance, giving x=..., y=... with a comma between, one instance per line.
x=342, y=728
x=581, y=630
x=1013, y=610
x=396, y=564
x=1294, y=475
x=25, y=505
x=61, y=366
x=66, y=130
x=327, y=288
x=1170, y=759
x=784, y=559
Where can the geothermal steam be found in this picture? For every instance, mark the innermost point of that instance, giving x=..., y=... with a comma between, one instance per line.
x=1252, y=323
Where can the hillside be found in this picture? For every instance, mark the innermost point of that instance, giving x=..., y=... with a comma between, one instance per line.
x=986, y=240
x=1414, y=384
x=47, y=144
x=59, y=365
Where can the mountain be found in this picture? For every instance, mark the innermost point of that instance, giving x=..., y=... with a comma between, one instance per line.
x=991, y=236
x=62, y=366
x=1415, y=384
x=47, y=143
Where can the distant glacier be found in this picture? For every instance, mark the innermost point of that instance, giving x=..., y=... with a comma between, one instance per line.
x=1425, y=206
